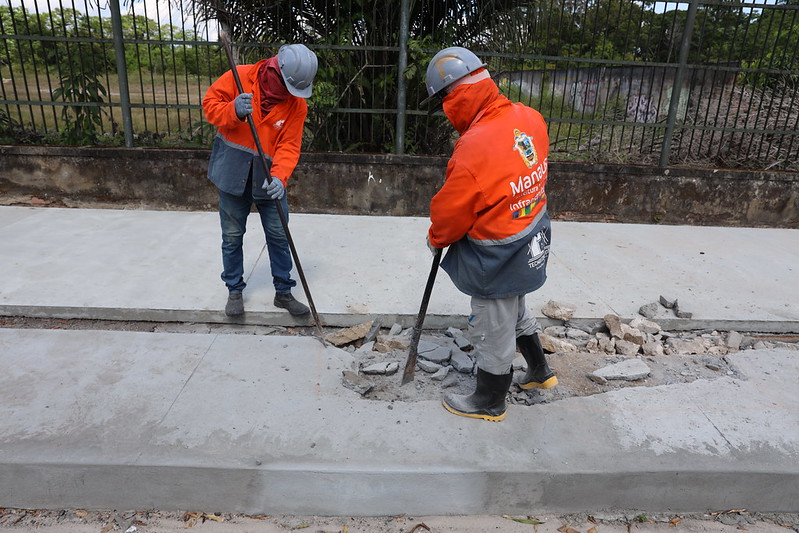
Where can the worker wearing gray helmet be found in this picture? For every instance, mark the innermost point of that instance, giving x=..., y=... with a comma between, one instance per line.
x=491, y=214
x=273, y=95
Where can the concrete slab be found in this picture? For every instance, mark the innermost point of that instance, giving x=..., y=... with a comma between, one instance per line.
x=164, y=266
x=261, y=424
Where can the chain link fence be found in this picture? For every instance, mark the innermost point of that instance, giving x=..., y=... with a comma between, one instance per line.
x=702, y=83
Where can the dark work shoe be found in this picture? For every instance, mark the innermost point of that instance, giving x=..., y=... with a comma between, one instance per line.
x=486, y=402
x=287, y=301
x=235, y=305
x=538, y=375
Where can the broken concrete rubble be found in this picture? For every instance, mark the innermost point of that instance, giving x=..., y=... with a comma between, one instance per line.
x=384, y=368
x=649, y=310
x=672, y=356
x=691, y=346
x=356, y=382
x=558, y=311
x=626, y=347
x=629, y=370
x=647, y=326
x=428, y=366
x=440, y=355
x=632, y=335
x=555, y=345
x=387, y=343
x=665, y=302
x=346, y=336
x=734, y=340
x=461, y=362
x=652, y=349
x=613, y=323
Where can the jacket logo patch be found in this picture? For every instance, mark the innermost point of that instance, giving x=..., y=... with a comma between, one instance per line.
x=279, y=124
x=523, y=144
x=538, y=249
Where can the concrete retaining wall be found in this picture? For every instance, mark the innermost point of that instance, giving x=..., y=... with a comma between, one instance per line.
x=371, y=184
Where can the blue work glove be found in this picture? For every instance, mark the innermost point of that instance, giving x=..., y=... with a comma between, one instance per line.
x=274, y=189
x=243, y=103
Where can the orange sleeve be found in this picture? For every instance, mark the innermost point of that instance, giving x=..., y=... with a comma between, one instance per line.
x=289, y=142
x=456, y=206
x=218, y=101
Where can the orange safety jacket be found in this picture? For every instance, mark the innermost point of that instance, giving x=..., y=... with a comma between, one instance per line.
x=491, y=210
x=234, y=153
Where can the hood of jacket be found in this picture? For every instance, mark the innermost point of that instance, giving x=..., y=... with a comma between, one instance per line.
x=467, y=102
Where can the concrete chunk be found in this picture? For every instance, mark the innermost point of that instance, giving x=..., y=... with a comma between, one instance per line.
x=679, y=346
x=453, y=332
x=355, y=382
x=613, y=322
x=653, y=348
x=647, y=326
x=734, y=340
x=346, y=336
x=665, y=302
x=629, y=370
x=439, y=354
x=441, y=374
x=386, y=343
x=461, y=362
x=387, y=368
x=463, y=343
x=649, y=310
x=626, y=347
x=633, y=335
x=555, y=345
x=428, y=366
x=558, y=310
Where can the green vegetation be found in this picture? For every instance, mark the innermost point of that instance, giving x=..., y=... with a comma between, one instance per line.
x=67, y=57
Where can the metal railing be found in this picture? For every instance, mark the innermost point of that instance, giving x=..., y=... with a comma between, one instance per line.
x=706, y=83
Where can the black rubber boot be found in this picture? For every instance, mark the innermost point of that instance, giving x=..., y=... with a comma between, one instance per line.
x=235, y=305
x=539, y=375
x=287, y=301
x=486, y=402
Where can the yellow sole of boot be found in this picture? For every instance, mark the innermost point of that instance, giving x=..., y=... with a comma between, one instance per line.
x=548, y=384
x=490, y=418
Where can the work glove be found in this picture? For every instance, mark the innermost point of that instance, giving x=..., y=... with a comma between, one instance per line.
x=433, y=249
x=243, y=104
x=274, y=188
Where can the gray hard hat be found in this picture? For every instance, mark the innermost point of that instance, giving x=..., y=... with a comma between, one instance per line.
x=298, y=66
x=448, y=66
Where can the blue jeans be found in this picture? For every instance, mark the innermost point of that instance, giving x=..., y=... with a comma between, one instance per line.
x=233, y=212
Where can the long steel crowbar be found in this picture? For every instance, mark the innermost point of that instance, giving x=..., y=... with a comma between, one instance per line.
x=410, y=364
x=229, y=51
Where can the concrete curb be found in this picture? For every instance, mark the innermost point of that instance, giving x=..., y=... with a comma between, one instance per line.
x=262, y=424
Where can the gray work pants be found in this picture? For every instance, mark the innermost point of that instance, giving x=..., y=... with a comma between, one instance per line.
x=493, y=327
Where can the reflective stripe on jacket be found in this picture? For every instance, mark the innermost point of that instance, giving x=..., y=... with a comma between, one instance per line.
x=491, y=210
x=234, y=151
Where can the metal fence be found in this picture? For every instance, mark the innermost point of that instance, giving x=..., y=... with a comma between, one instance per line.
x=704, y=83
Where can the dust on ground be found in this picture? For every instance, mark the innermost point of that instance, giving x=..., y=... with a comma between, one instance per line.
x=153, y=521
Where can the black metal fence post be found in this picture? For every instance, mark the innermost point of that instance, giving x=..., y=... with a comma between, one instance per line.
x=399, y=134
x=122, y=71
x=676, y=91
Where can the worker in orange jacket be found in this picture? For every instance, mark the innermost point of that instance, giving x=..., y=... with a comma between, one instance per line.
x=273, y=95
x=491, y=212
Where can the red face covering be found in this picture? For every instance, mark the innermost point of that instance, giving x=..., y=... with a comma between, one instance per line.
x=273, y=90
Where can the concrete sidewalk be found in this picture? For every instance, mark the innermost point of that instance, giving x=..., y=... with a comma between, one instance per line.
x=261, y=424
x=165, y=266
